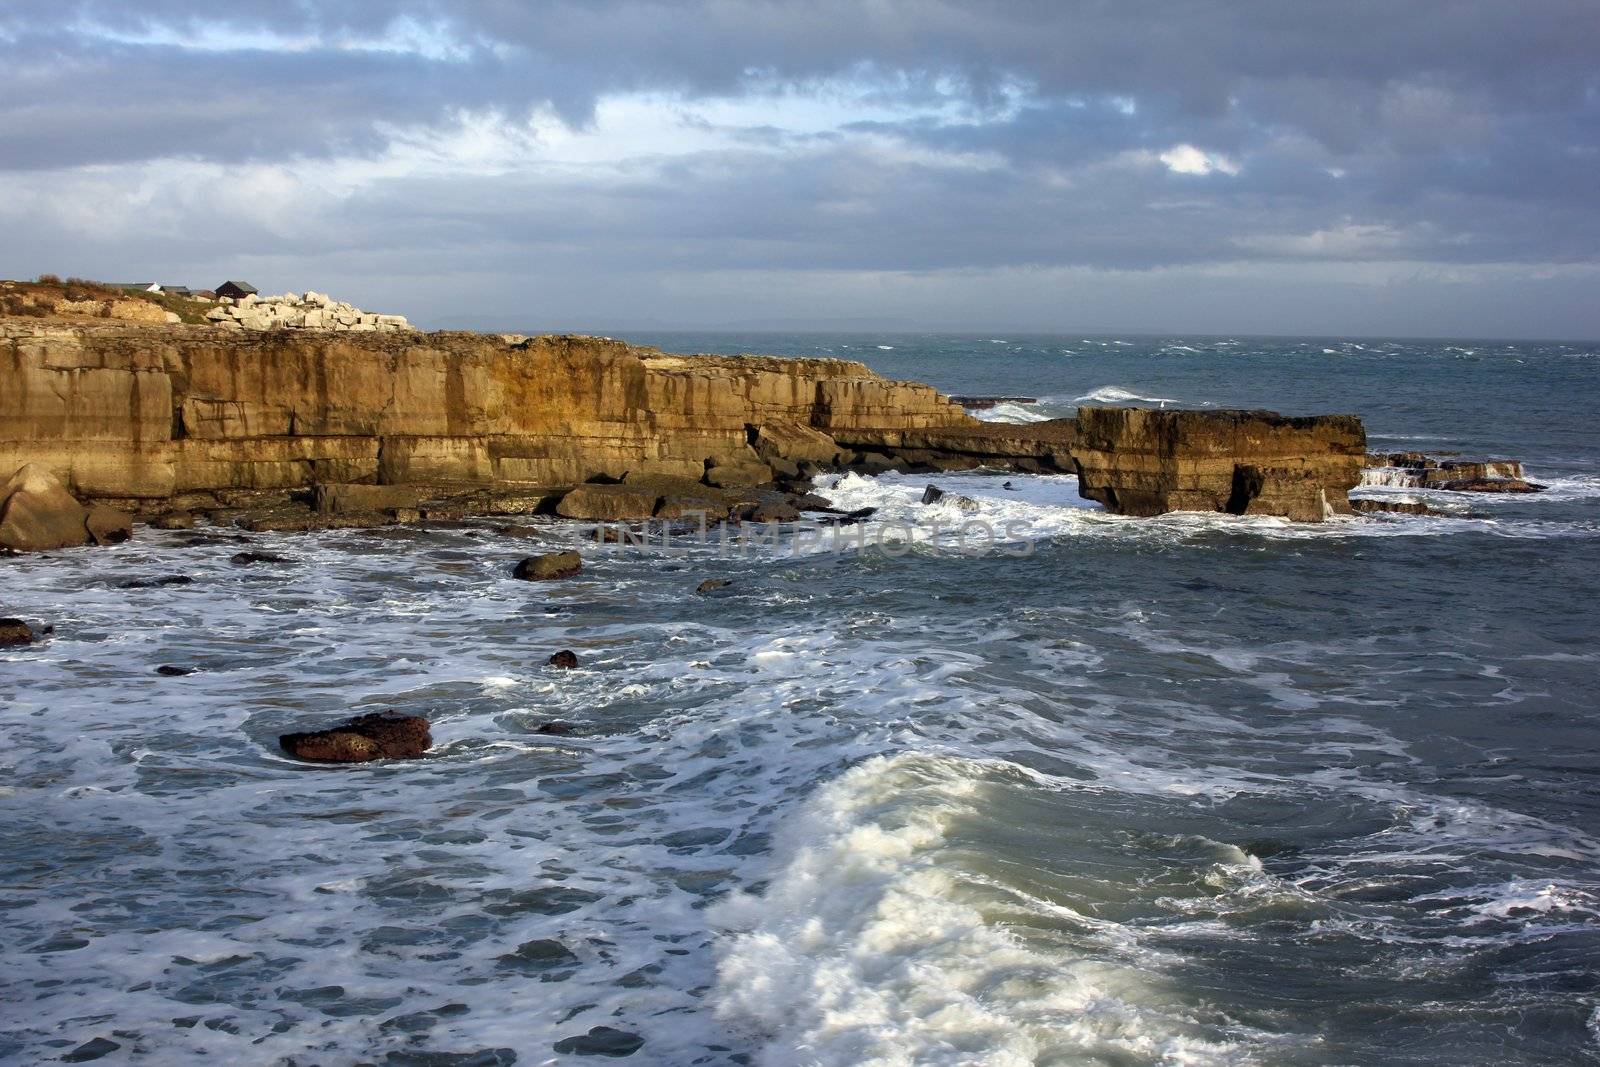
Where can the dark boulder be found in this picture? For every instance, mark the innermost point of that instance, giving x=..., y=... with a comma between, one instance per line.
x=15, y=632
x=550, y=566
x=555, y=728
x=246, y=559
x=166, y=670
x=601, y=1041
x=1490, y=485
x=158, y=582
x=932, y=495
x=381, y=735
x=847, y=518
x=566, y=659
x=1365, y=506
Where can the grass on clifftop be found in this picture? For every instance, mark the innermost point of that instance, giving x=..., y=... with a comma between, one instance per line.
x=25, y=298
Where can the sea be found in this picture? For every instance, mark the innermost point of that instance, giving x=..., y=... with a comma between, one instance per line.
x=1007, y=781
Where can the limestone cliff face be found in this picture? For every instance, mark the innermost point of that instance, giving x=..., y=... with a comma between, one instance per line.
x=121, y=411
x=1140, y=462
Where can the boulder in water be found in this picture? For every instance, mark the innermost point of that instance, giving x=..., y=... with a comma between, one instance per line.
x=547, y=567
x=565, y=659
x=382, y=735
x=712, y=585
x=932, y=495
x=1365, y=506
x=14, y=632
x=246, y=559
x=157, y=582
x=601, y=1041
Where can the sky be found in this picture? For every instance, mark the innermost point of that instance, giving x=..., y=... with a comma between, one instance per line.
x=1337, y=167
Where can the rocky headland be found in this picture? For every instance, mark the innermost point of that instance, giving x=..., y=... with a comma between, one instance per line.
x=308, y=427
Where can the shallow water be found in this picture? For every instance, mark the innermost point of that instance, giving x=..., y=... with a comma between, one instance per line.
x=1188, y=790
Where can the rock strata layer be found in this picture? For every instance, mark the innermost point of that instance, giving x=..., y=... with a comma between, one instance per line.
x=311, y=430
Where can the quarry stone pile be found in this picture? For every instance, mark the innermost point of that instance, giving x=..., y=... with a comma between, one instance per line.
x=310, y=311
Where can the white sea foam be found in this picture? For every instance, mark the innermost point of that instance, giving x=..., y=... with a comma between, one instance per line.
x=1015, y=413
x=1115, y=394
x=872, y=948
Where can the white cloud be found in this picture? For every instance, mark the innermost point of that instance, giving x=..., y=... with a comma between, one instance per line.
x=1187, y=159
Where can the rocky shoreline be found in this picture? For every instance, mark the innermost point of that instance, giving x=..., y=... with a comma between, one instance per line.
x=308, y=428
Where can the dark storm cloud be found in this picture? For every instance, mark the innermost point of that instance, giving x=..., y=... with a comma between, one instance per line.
x=1026, y=134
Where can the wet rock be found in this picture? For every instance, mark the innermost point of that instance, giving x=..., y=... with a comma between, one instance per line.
x=983, y=403
x=158, y=582
x=617, y=535
x=566, y=659
x=601, y=1041
x=247, y=559
x=932, y=495
x=90, y=1051
x=555, y=728
x=167, y=670
x=1490, y=485
x=711, y=585
x=173, y=520
x=1008, y=487
x=964, y=503
x=848, y=518
x=518, y=530
x=14, y=632
x=548, y=567
x=382, y=735
x=1364, y=506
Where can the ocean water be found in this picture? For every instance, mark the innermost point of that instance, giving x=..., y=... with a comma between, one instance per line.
x=1186, y=790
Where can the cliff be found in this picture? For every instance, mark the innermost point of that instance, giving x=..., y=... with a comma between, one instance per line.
x=1141, y=462
x=150, y=414
x=127, y=412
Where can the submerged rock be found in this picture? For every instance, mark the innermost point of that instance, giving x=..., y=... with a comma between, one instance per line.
x=711, y=585
x=601, y=1041
x=382, y=735
x=550, y=566
x=555, y=728
x=246, y=559
x=167, y=670
x=15, y=632
x=158, y=582
x=566, y=659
